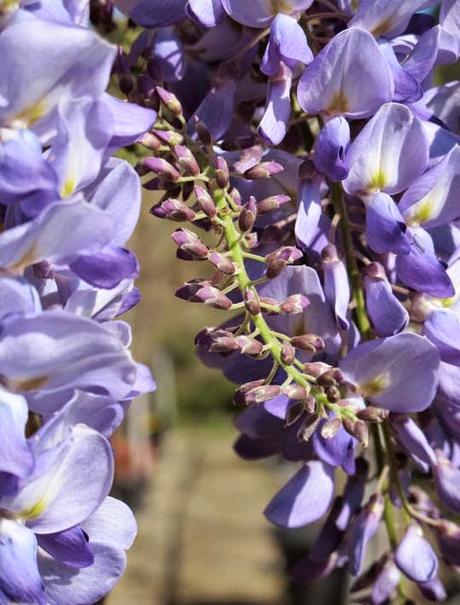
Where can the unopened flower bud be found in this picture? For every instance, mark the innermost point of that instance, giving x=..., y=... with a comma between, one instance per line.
x=174, y=210
x=240, y=394
x=316, y=368
x=170, y=137
x=224, y=344
x=150, y=141
x=273, y=202
x=308, y=428
x=202, y=132
x=263, y=170
x=251, y=302
x=294, y=413
x=222, y=263
x=248, y=215
x=161, y=167
x=186, y=160
x=308, y=342
x=297, y=303
x=357, y=429
x=188, y=290
x=249, y=346
x=262, y=394
x=170, y=101
x=287, y=253
x=213, y=297
x=275, y=268
x=205, y=201
x=287, y=354
x=329, y=254
x=222, y=172
x=373, y=414
x=188, y=242
x=333, y=394
x=296, y=392
x=330, y=428
x=329, y=378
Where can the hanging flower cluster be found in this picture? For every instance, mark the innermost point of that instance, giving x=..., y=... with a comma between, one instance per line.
x=308, y=143
x=66, y=373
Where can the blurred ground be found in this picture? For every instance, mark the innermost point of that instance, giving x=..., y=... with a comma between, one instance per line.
x=202, y=538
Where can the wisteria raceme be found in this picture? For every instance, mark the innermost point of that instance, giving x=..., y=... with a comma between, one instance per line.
x=67, y=375
x=312, y=144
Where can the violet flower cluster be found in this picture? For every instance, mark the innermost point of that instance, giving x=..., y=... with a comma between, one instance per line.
x=66, y=373
x=308, y=142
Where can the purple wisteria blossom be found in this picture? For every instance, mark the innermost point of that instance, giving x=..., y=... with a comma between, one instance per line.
x=317, y=146
x=67, y=374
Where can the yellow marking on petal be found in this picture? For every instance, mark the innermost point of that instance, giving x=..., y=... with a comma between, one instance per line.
x=378, y=182
x=34, y=511
x=28, y=258
x=9, y=5
x=31, y=114
x=382, y=28
x=338, y=105
x=421, y=212
x=281, y=6
x=69, y=187
x=375, y=386
x=26, y=384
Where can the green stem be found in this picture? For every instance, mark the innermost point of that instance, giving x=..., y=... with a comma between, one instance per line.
x=353, y=270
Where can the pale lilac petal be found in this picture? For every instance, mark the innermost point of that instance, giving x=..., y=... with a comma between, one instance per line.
x=113, y=524
x=348, y=77
x=88, y=585
x=415, y=556
x=287, y=45
x=20, y=580
x=386, y=230
x=273, y=125
x=399, y=373
x=388, y=154
x=387, y=19
x=61, y=496
x=331, y=146
x=305, y=498
x=57, y=350
x=259, y=13
x=207, y=12
x=59, y=234
x=432, y=199
x=443, y=329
